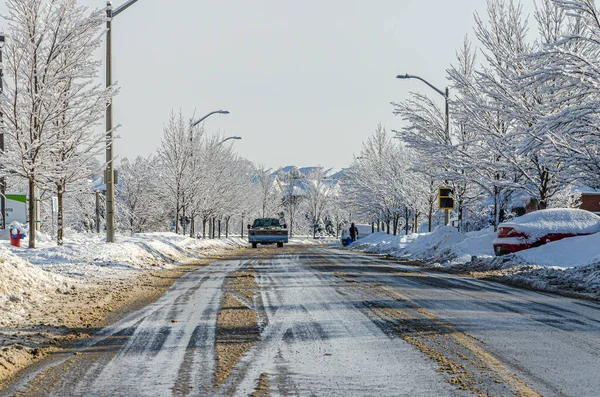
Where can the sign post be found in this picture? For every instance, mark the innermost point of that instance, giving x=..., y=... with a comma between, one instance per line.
x=16, y=208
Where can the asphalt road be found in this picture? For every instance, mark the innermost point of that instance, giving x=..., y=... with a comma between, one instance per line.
x=337, y=323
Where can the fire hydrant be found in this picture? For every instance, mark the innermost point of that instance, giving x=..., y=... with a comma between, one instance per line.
x=17, y=233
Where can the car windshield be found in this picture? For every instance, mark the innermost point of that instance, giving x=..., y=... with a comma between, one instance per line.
x=266, y=222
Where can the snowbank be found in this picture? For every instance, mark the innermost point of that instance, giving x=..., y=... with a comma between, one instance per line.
x=569, y=252
x=379, y=243
x=31, y=277
x=24, y=286
x=570, y=265
x=443, y=245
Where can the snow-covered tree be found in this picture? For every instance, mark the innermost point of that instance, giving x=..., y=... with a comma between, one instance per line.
x=141, y=196
x=175, y=155
x=319, y=195
x=50, y=101
x=270, y=195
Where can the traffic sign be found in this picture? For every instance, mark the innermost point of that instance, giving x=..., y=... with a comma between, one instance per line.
x=445, y=198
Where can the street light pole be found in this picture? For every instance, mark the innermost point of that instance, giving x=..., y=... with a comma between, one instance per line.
x=228, y=138
x=195, y=123
x=446, y=95
x=109, y=174
x=192, y=125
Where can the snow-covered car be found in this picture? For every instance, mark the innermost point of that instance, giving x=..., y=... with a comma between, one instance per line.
x=544, y=226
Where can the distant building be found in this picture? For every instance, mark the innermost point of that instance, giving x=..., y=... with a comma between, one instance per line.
x=590, y=199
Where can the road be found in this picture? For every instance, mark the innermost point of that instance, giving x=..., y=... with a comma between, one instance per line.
x=308, y=320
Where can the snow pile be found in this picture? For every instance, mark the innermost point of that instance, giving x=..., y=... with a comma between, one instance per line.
x=24, y=286
x=443, y=245
x=476, y=244
x=558, y=220
x=436, y=245
x=570, y=265
x=581, y=279
x=378, y=243
x=142, y=250
x=569, y=252
x=30, y=277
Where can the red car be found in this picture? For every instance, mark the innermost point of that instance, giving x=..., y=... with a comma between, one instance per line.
x=544, y=226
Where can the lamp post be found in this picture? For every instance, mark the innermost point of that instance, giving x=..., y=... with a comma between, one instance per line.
x=228, y=138
x=2, y=179
x=195, y=123
x=109, y=174
x=192, y=125
x=446, y=95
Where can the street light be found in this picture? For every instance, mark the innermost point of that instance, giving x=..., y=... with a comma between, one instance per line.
x=195, y=123
x=228, y=138
x=192, y=125
x=109, y=175
x=446, y=95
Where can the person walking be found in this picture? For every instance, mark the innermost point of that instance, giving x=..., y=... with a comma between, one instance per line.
x=353, y=232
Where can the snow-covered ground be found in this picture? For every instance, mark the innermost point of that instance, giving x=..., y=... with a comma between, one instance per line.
x=30, y=277
x=569, y=265
x=51, y=291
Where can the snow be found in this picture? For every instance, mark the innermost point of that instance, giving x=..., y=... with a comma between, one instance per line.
x=559, y=220
x=569, y=252
x=571, y=264
x=30, y=277
x=445, y=242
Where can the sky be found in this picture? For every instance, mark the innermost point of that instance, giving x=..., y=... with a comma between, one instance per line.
x=305, y=82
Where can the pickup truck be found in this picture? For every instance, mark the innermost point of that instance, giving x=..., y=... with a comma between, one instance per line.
x=267, y=231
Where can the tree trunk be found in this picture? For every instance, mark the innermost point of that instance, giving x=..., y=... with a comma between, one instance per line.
x=219, y=228
x=177, y=217
x=460, y=216
x=406, y=225
x=59, y=216
x=416, y=227
x=183, y=222
x=430, y=217
x=203, y=228
x=32, y=218
x=226, y=227
x=496, y=208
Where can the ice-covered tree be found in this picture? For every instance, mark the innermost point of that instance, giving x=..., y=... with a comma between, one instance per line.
x=175, y=156
x=50, y=99
x=319, y=195
x=141, y=195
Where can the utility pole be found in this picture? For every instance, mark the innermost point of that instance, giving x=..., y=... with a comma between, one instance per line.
x=3, y=178
x=109, y=174
x=110, y=170
x=97, y=212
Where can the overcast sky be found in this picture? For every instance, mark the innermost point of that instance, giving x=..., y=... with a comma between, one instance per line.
x=306, y=82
